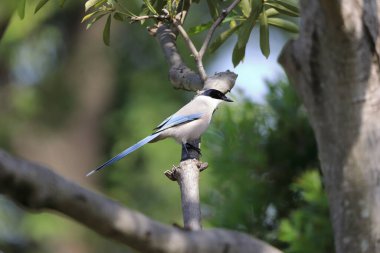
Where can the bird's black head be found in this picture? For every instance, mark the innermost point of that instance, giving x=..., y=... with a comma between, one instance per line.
x=216, y=94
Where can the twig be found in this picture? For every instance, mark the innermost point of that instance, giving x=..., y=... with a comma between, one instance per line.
x=193, y=49
x=183, y=10
x=217, y=22
x=187, y=39
x=139, y=18
x=158, y=17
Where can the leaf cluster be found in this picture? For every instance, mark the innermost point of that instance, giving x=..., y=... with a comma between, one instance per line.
x=240, y=22
x=37, y=8
x=299, y=229
x=277, y=13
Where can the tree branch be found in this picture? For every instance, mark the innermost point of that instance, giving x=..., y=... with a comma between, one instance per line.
x=187, y=174
x=215, y=25
x=37, y=188
x=181, y=76
x=194, y=51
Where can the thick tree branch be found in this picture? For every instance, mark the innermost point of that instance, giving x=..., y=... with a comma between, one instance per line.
x=198, y=55
x=181, y=76
x=37, y=188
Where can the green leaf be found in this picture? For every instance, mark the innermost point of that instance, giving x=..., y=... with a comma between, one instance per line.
x=40, y=4
x=271, y=12
x=214, y=8
x=120, y=16
x=287, y=232
x=200, y=28
x=21, y=9
x=88, y=16
x=91, y=3
x=282, y=9
x=150, y=7
x=95, y=19
x=62, y=3
x=310, y=185
x=159, y=4
x=100, y=3
x=290, y=4
x=264, y=35
x=245, y=7
x=245, y=32
x=284, y=24
x=107, y=31
x=223, y=37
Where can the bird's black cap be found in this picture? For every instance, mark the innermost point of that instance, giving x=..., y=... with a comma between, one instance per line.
x=216, y=94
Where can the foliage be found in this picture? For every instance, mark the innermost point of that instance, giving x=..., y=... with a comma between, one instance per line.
x=259, y=152
x=240, y=22
x=302, y=230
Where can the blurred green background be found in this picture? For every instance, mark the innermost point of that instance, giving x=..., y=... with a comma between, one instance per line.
x=69, y=102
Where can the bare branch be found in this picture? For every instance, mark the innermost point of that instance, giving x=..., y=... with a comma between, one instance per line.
x=215, y=25
x=38, y=188
x=193, y=50
x=183, y=10
x=187, y=39
x=145, y=17
x=139, y=18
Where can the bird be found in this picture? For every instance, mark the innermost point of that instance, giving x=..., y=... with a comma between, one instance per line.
x=187, y=124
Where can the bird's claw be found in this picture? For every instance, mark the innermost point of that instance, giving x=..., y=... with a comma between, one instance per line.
x=198, y=150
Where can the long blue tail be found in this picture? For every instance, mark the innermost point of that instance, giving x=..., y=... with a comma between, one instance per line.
x=125, y=152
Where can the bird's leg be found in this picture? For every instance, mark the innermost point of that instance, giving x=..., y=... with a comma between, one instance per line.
x=185, y=147
x=188, y=145
x=190, y=151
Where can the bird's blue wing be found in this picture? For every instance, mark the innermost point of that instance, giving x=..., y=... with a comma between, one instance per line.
x=177, y=120
x=125, y=152
x=163, y=123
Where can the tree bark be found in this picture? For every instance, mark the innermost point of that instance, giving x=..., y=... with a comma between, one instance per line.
x=37, y=188
x=188, y=180
x=334, y=66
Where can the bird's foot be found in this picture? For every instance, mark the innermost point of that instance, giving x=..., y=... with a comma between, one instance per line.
x=190, y=146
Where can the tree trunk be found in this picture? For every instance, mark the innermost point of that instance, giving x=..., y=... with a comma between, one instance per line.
x=334, y=66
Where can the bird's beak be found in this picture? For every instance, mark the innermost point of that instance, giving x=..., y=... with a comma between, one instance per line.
x=227, y=99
